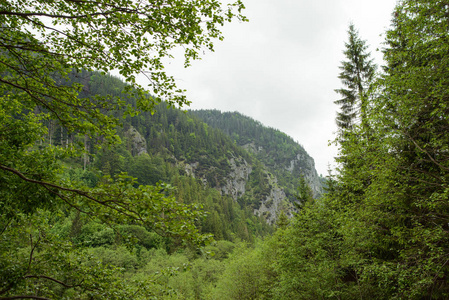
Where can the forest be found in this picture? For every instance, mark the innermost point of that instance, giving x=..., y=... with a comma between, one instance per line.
x=110, y=190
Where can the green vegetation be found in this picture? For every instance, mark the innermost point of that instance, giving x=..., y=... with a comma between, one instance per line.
x=157, y=206
x=93, y=210
x=381, y=230
x=43, y=186
x=357, y=74
x=283, y=157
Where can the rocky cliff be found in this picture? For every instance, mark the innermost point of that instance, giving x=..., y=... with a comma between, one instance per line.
x=262, y=174
x=306, y=166
x=237, y=179
x=280, y=154
x=275, y=202
x=296, y=164
x=136, y=141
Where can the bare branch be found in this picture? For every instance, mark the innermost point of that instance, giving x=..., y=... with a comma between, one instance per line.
x=32, y=250
x=118, y=206
x=46, y=184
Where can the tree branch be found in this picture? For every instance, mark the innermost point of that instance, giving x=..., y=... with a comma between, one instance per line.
x=10, y=13
x=24, y=297
x=427, y=153
x=32, y=250
x=51, y=279
x=120, y=207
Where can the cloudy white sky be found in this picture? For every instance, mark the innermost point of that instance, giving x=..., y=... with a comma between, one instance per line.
x=281, y=67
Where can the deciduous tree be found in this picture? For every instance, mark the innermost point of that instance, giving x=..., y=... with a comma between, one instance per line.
x=41, y=44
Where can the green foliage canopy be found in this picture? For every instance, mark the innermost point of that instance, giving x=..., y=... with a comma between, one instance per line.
x=383, y=226
x=42, y=39
x=41, y=44
x=381, y=231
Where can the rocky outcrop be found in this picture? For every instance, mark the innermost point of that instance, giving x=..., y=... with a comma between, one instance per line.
x=137, y=142
x=275, y=202
x=237, y=178
x=190, y=169
x=306, y=166
x=251, y=147
x=235, y=185
x=300, y=163
x=235, y=182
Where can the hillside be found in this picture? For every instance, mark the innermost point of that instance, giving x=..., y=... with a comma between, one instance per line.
x=257, y=167
x=284, y=157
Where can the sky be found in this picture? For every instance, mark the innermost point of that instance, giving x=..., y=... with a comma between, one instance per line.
x=281, y=68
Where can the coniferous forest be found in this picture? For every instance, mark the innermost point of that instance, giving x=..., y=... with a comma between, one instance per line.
x=111, y=190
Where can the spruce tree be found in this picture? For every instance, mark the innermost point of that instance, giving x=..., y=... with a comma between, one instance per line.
x=357, y=74
x=304, y=193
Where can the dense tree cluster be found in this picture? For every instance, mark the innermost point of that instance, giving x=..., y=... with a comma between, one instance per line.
x=41, y=44
x=381, y=231
x=105, y=239
x=73, y=225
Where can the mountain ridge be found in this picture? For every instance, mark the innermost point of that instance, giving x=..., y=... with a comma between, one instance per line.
x=256, y=166
x=251, y=135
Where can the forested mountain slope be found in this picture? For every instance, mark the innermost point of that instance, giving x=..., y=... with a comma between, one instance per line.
x=276, y=150
x=260, y=171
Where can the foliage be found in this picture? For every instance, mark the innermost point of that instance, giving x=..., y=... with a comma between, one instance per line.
x=49, y=118
x=128, y=36
x=304, y=192
x=244, y=276
x=381, y=230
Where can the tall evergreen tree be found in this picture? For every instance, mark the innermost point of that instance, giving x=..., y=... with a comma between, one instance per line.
x=357, y=74
x=394, y=185
x=414, y=189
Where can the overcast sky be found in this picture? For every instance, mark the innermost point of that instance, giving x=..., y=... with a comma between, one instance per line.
x=281, y=67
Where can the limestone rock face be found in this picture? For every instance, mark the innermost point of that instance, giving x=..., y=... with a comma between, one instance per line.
x=237, y=178
x=300, y=163
x=306, y=165
x=137, y=142
x=234, y=182
x=276, y=155
x=190, y=169
x=251, y=147
x=275, y=202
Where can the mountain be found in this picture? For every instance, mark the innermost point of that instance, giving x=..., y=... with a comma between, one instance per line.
x=186, y=181
x=277, y=151
x=227, y=157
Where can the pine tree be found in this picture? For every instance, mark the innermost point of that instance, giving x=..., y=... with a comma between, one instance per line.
x=355, y=136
